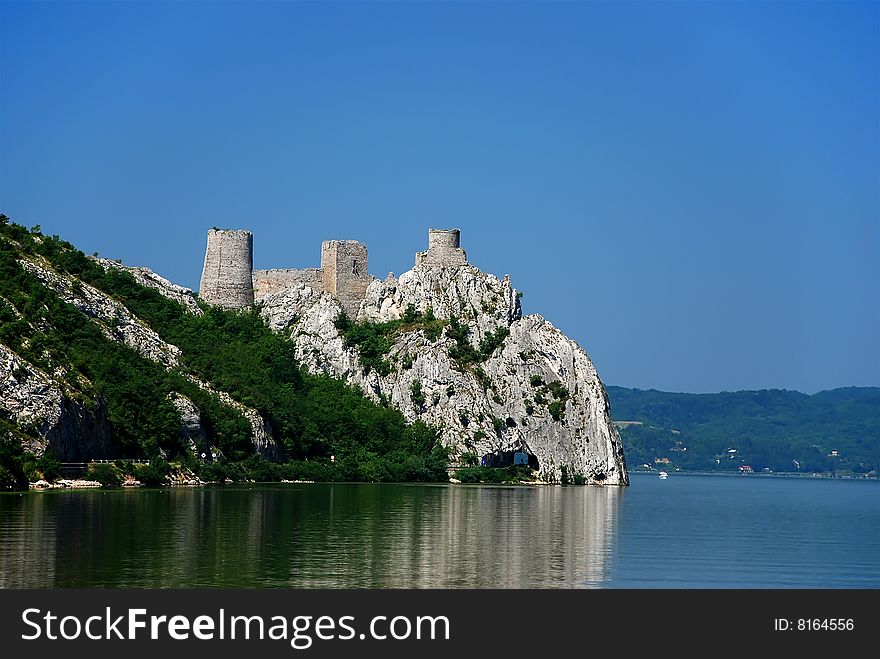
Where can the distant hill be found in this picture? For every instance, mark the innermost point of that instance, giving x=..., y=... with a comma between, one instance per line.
x=831, y=431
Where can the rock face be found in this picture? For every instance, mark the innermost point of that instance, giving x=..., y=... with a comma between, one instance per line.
x=537, y=393
x=34, y=402
x=148, y=278
x=191, y=424
x=75, y=431
x=117, y=322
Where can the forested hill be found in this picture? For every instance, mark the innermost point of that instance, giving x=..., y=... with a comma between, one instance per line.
x=831, y=431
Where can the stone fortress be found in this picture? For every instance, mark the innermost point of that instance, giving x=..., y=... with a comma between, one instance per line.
x=535, y=396
x=230, y=281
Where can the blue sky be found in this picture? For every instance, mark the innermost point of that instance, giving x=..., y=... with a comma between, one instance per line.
x=690, y=190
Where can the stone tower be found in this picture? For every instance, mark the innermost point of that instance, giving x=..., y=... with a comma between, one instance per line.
x=226, y=278
x=444, y=249
x=344, y=268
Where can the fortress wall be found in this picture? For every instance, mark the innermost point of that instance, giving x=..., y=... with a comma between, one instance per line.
x=344, y=263
x=443, y=249
x=229, y=281
x=226, y=276
x=271, y=281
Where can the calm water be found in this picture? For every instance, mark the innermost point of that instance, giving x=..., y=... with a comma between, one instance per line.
x=685, y=532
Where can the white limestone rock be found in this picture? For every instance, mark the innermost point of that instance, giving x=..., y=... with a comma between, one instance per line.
x=51, y=419
x=479, y=299
x=117, y=322
x=515, y=410
x=190, y=423
x=28, y=396
x=285, y=307
x=146, y=277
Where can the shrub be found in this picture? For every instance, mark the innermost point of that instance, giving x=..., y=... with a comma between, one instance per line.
x=375, y=340
x=8, y=480
x=559, y=390
x=257, y=468
x=106, y=474
x=557, y=410
x=492, y=341
x=482, y=378
x=154, y=474
x=418, y=396
x=49, y=466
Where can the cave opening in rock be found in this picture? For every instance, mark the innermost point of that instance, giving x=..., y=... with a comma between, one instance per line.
x=508, y=458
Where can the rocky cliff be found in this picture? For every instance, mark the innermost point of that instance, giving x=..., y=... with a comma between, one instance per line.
x=524, y=388
x=444, y=344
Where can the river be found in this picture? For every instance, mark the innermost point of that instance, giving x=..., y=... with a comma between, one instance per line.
x=684, y=532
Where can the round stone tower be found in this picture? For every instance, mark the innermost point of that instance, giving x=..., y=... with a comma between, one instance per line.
x=444, y=250
x=227, y=278
x=443, y=239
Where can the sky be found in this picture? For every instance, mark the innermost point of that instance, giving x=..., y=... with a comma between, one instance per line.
x=690, y=190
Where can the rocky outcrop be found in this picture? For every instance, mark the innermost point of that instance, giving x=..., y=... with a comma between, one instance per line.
x=48, y=417
x=261, y=431
x=284, y=308
x=29, y=397
x=82, y=432
x=117, y=322
x=536, y=393
x=146, y=277
x=480, y=300
x=191, y=424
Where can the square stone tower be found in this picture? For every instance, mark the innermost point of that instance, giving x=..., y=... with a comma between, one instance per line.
x=344, y=268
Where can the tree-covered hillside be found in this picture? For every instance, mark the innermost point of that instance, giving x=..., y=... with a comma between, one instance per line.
x=831, y=431
x=327, y=430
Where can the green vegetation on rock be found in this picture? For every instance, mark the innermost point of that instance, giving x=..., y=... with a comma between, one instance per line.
x=463, y=353
x=374, y=340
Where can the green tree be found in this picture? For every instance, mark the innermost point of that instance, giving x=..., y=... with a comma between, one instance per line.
x=49, y=466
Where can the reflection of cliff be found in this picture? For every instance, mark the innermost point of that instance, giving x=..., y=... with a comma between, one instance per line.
x=523, y=537
x=470, y=537
x=328, y=536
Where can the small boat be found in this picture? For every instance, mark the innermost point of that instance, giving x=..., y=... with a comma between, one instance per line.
x=663, y=475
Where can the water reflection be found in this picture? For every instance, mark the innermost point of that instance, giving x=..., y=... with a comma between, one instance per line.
x=334, y=535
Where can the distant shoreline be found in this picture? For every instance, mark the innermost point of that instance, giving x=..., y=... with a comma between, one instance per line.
x=775, y=474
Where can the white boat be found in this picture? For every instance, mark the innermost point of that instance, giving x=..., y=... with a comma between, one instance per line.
x=663, y=475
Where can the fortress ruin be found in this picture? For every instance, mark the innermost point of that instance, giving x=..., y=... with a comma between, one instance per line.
x=229, y=262
x=443, y=249
x=229, y=280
